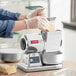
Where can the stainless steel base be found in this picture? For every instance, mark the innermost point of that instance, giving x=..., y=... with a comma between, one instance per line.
x=39, y=68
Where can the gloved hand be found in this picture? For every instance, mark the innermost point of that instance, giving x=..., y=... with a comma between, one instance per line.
x=37, y=22
x=37, y=12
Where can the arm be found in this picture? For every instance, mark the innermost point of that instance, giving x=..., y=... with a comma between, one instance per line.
x=9, y=26
x=6, y=15
x=19, y=25
x=6, y=28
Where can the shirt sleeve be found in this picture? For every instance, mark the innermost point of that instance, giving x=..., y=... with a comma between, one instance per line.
x=6, y=27
x=7, y=15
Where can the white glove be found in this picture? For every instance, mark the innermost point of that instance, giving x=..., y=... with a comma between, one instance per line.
x=37, y=12
x=37, y=22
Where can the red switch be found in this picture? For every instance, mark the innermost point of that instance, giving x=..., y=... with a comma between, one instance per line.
x=34, y=41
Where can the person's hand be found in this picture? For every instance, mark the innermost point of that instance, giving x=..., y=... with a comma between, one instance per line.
x=37, y=12
x=37, y=22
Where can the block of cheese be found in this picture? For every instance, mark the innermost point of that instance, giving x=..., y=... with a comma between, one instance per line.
x=50, y=27
x=8, y=69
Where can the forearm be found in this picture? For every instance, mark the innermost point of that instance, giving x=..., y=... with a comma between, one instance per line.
x=19, y=25
x=22, y=17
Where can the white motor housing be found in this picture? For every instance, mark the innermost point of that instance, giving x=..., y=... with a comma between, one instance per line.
x=32, y=43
